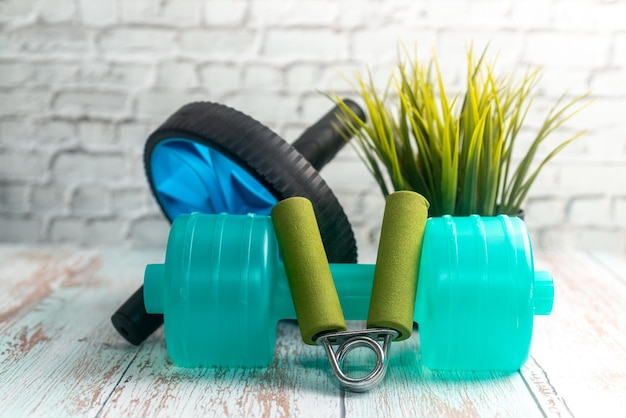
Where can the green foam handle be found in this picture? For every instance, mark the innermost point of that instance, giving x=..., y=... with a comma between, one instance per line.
x=397, y=264
x=312, y=288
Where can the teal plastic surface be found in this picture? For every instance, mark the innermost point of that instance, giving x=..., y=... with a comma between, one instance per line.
x=223, y=289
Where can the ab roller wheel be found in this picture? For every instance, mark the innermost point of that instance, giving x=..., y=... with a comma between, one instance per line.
x=477, y=291
x=209, y=158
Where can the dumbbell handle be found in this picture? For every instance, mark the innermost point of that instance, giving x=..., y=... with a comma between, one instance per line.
x=352, y=281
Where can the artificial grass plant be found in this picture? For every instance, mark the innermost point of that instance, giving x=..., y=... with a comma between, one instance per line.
x=458, y=153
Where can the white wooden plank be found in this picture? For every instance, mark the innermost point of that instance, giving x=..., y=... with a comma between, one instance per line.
x=581, y=347
x=27, y=276
x=296, y=384
x=411, y=390
x=615, y=263
x=62, y=357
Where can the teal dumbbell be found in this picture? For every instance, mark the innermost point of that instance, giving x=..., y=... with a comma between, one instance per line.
x=223, y=288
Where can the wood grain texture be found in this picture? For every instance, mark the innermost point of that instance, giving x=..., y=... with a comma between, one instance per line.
x=59, y=354
x=581, y=347
x=61, y=357
x=296, y=384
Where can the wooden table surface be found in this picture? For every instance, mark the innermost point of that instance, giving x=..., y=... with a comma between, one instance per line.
x=60, y=355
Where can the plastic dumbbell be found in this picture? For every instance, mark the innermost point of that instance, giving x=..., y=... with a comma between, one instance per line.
x=223, y=288
x=210, y=158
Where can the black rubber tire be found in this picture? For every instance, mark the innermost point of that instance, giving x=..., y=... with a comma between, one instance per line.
x=267, y=157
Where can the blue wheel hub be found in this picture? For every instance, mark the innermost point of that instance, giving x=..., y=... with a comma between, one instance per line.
x=191, y=177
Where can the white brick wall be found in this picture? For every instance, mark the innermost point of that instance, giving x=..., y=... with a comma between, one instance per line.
x=82, y=83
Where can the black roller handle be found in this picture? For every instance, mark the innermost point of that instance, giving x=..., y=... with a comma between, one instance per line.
x=318, y=144
x=322, y=141
x=133, y=322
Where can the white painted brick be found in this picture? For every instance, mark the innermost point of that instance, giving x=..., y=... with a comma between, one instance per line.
x=302, y=77
x=19, y=229
x=269, y=58
x=575, y=15
x=542, y=212
x=547, y=182
x=220, y=78
x=81, y=167
x=116, y=74
x=609, y=82
x=596, y=179
x=218, y=43
x=619, y=50
x=267, y=107
x=149, y=232
x=314, y=44
x=586, y=15
x=23, y=165
x=76, y=103
x=137, y=40
x=9, y=45
x=13, y=198
x=10, y=10
x=358, y=13
x=98, y=12
x=299, y=13
x=52, y=134
x=152, y=209
x=177, y=74
x=487, y=15
x=590, y=211
x=132, y=136
x=381, y=44
x=102, y=232
x=67, y=230
x=22, y=101
x=63, y=39
x=14, y=73
x=158, y=105
x=314, y=106
x=172, y=13
x=94, y=135
x=503, y=48
x=555, y=82
x=55, y=73
x=13, y=128
x=619, y=211
x=131, y=75
x=51, y=11
x=262, y=77
x=567, y=50
x=338, y=77
x=90, y=200
x=136, y=176
x=603, y=114
x=127, y=202
x=49, y=198
x=531, y=14
x=225, y=12
x=605, y=144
